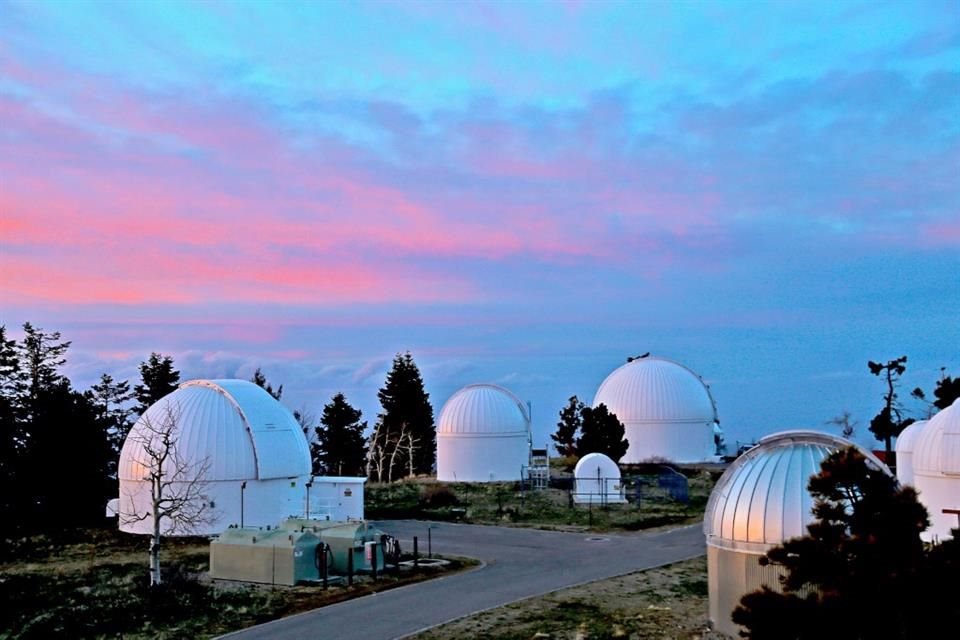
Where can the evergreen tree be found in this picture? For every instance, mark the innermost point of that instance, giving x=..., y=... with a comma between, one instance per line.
x=41, y=355
x=111, y=400
x=862, y=569
x=405, y=432
x=261, y=381
x=946, y=391
x=565, y=438
x=340, y=447
x=12, y=433
x=888, y=424
x=601, y=432
x=159, y=378
x=68, y=461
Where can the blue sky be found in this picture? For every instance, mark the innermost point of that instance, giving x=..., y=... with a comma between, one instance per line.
x=523, y=193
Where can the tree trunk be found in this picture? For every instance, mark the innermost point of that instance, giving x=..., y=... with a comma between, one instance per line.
x=155, y=554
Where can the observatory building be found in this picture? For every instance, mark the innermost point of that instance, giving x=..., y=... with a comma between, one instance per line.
x=483, y=435
x=597, y=481
x=666, y=410
x=759, y=502
x=936, y=471
x=906, y=441
x=249, y=452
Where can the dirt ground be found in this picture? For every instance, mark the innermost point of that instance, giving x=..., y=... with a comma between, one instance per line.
x=665, y=603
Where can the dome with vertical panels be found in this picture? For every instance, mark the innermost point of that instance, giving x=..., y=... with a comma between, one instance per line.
x=906, y=442
x=239, y=429
x=762, y=498
x=656, y=390
x=936, y=449
x=483, y=409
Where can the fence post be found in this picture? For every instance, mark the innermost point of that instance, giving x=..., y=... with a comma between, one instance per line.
x=350, y=568
x=416, y=553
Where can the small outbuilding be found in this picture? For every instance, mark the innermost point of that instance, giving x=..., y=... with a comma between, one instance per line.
x=936, y=471
x=597, y=481
x=483, y=435
x=759, y=502
x=274, y=556
x=666, y=410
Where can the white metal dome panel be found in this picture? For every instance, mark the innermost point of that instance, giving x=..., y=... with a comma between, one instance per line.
x=936, y=449
x=281, y=447
x=480, y=409
x=208, y=427
x=656, y=390
x=762, y=498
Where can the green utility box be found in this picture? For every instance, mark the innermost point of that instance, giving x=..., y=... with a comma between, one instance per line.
x=275, y=556
x=344, y=538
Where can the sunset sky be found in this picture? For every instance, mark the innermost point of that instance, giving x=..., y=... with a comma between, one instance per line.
x=523, y=193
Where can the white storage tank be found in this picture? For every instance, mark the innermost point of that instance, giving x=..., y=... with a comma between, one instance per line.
x=759, y=502
x=254, y=457
x=483, y=435
x=597, y=480
x=666, y=410
x=906, y=441
x=936, y=471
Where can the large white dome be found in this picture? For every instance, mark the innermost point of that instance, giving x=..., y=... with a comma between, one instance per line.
x=243, y=453
x=936, y=470
x=762, y=498
x=666, y=409
x=240, y=429
x=483, y=408
x=483, y=435
x=760, y=501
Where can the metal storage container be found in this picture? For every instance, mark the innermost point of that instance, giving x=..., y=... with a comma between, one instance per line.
x=275, y=556
x=343, y=538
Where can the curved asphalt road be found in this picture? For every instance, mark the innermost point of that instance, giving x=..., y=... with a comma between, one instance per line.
x=518, y=564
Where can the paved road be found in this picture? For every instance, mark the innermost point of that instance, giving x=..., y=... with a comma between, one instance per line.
x=518, y=563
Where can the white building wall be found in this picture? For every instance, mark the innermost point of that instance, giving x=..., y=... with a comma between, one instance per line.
x=677, y=442
x=265, y=502
x=938, y=492
x=464, y=457
x=338, y=498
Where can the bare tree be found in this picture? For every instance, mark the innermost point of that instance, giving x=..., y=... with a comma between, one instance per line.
x=411, y=447
x=376, y=453
x=178, y=499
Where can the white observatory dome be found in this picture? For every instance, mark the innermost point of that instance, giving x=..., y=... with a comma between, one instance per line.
x=906, y=442
x=597, y=480
x=666, y=410
x=235, y=430
x=483, y=435
x=760, y=501
x=936, y=470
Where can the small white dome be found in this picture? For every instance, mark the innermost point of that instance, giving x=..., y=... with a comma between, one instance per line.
x=241, y=431
x=907, y=439
x=762, y=498
x=479, y=409
x=906, y=442
x=596, y=465
x=936, y=449
x=654, y=390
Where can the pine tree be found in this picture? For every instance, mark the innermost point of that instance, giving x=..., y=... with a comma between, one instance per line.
x=862, y=571
x=601, y=432
x=261, y=381
x=888, y=424
x=159, y=378
x=340, y=447
x=405, y=433
x=565, y=438
x=41, y=355
x=112, y=402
